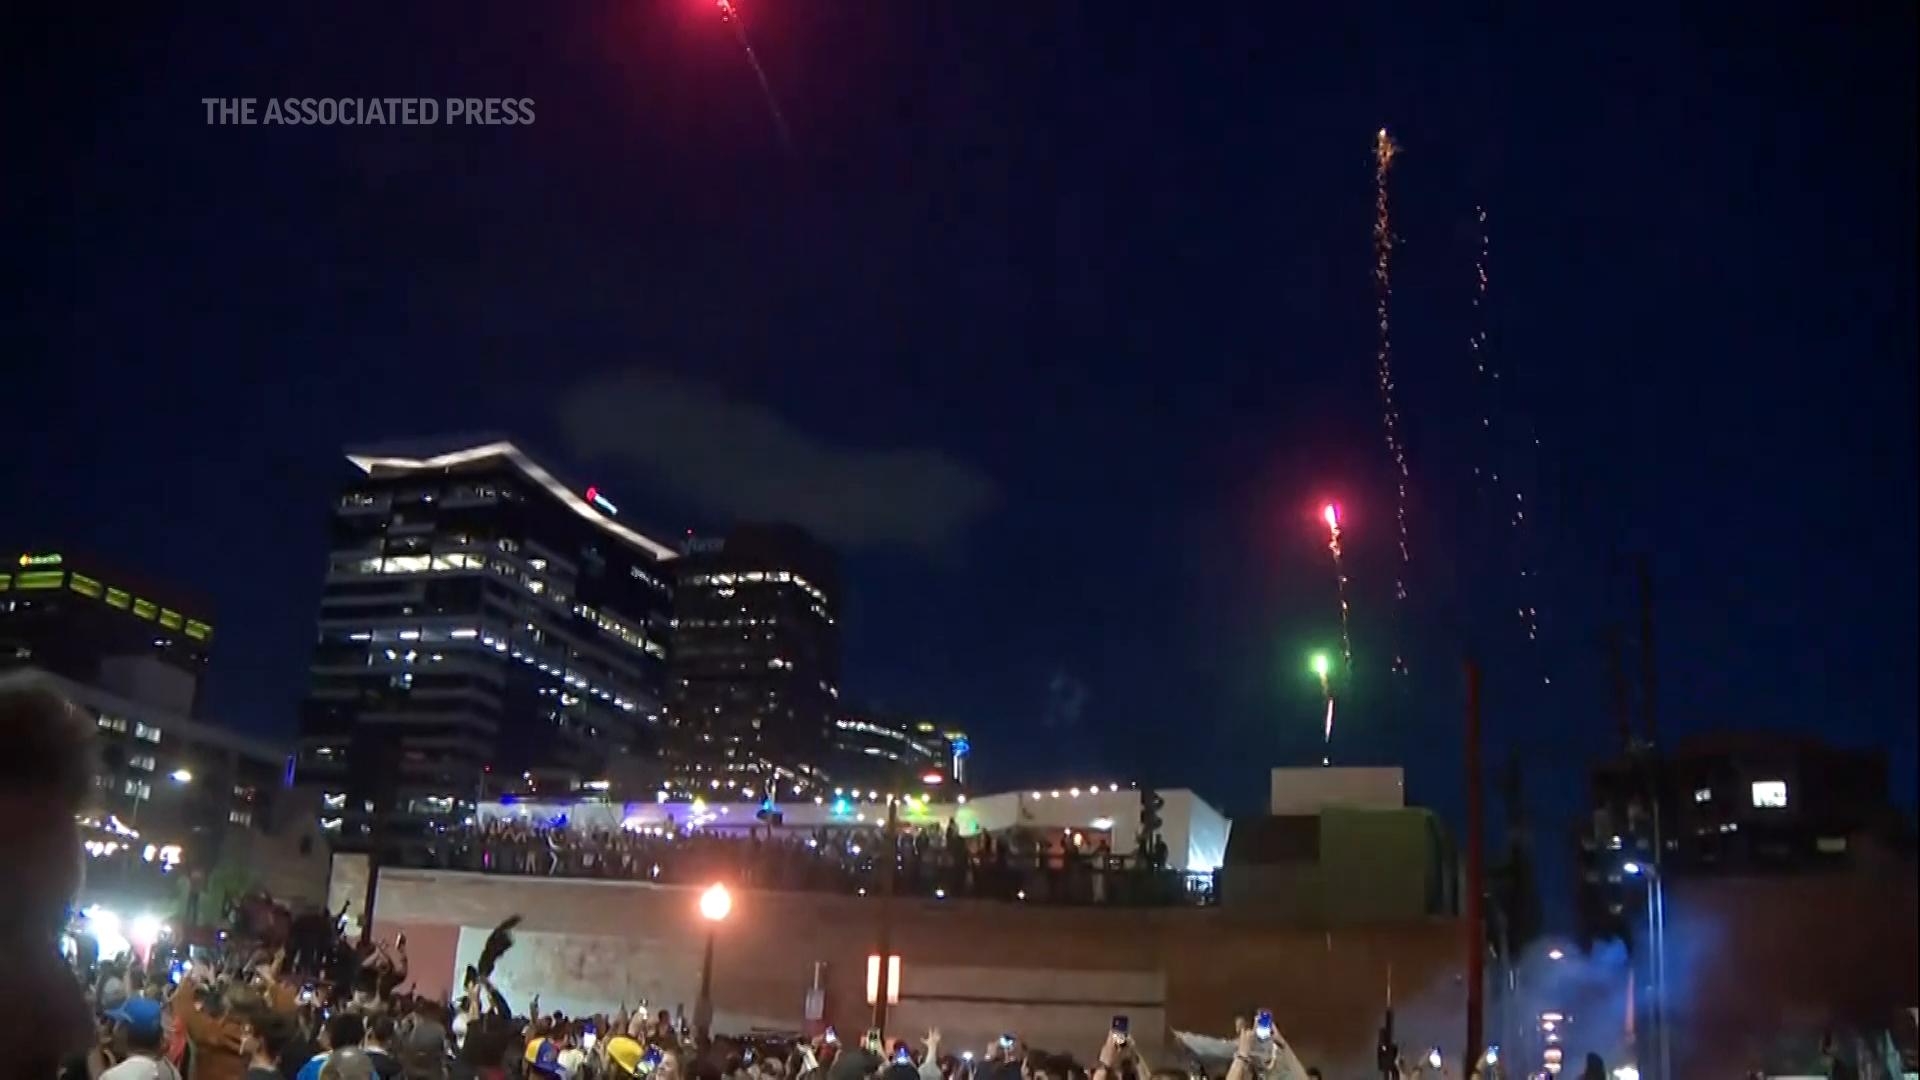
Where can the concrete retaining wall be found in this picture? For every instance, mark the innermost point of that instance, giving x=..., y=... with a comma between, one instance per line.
x=1054, y=974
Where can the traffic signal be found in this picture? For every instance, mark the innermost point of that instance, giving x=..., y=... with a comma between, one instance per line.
x=1150, y=804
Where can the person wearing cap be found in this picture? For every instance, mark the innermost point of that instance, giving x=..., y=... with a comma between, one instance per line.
x=138, y=1035
x=625, y=1054
x=347, y=1063
x=543, y=1059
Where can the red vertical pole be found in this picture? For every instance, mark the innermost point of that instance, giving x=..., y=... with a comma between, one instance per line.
x=1476, y=876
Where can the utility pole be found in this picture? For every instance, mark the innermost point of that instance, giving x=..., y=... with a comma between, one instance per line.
x=1648, y=680
x=883, y=983
x=1476, y=877
x=1622, y=699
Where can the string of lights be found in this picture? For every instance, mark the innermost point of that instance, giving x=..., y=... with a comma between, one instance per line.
x=1384, y=151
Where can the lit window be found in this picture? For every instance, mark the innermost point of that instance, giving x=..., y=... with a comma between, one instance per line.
x=143, y=762
x=146, y=731
x=146, y=609
x=40, y=579
x=1770, y=794
x=113, y=723
x=118, y=598
x=84, y=585
x=138, y=789
x=408, y=564
x=172, y=619
x=198, y=630
x=239, y=817
x=1704, y=794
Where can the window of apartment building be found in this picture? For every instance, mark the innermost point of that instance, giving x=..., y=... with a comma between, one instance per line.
x=138, y=789
x=146, y=731
x=113, y=723
x=239, y=817
x=143, y=762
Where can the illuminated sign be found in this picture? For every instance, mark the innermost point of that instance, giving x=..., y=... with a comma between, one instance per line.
x=604, y=504
x=51, y=558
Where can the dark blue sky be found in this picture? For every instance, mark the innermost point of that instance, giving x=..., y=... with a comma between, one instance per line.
x=1058, y=322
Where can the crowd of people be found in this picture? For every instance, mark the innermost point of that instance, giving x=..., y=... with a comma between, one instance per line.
x=260, y=1019
x=245, y=1010
x=1022, y=865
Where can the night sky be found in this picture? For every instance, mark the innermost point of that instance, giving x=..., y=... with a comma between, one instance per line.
x=1057, y=322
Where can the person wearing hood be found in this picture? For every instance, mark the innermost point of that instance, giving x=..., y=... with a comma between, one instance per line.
x=857, y=1062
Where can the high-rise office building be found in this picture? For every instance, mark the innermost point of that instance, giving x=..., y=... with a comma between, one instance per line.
x=1725, y=804
x=77, y=618
x=170, y=793
x=754, y=680
x=896, y=754
x=484, y=629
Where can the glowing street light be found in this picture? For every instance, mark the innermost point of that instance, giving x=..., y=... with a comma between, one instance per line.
x=181, y=776
x=716, y=903
x=1556, y=954
x=1322, y=665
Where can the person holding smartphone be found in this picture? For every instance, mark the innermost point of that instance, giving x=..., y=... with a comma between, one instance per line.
x=857, y=1062
x=1257, y=1050
x=1119, y=1056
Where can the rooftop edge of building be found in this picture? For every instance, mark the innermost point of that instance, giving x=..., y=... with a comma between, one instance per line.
x=445, y=453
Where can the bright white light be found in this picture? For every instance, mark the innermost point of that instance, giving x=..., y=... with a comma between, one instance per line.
x=181, y=776
x=716, y=902
x=1626, y=1072
x=1556, y=954
x=1631, y=868
x=1770, y=794
x=1101, y=823
x=104, y=926
x=144, y=931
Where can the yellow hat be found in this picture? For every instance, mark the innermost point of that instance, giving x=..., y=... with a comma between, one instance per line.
x=625, y=1053
x=533, y=1049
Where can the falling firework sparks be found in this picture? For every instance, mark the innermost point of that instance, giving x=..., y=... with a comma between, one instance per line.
x=1331, y=514
x=1487, y=376
x=1323, y=668
x=1384, y=151
x=730, y=14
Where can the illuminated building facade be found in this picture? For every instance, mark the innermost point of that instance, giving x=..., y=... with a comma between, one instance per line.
x=754, y=680
x=1728, y=804
x=892, y=753
x=484, y=629
x=71, y=616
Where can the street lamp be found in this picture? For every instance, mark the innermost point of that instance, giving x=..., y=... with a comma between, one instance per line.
x=1657, y=961
x=181, y=776
x=715, y=905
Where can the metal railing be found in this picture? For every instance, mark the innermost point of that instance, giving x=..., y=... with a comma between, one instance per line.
x=844, y=866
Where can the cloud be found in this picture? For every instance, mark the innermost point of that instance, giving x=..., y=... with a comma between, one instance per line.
x=1066, y=700
x=742, y=460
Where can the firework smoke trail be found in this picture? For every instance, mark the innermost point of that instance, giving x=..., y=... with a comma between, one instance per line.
x=1384, y=150
x=1332, y=517
x=1487, y=375
x=731, y=14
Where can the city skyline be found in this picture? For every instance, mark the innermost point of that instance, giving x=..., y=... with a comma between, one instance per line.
x=1065, y=367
